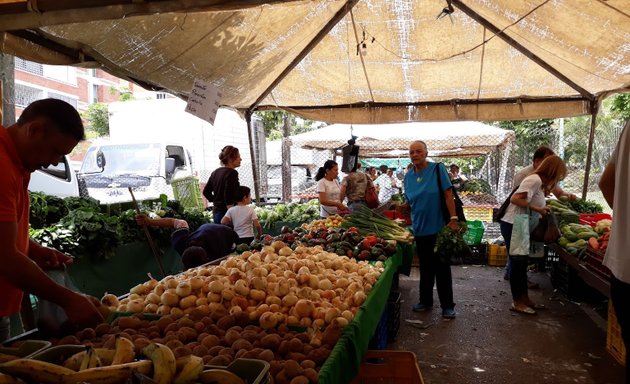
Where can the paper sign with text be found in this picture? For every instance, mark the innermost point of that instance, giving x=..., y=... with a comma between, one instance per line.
x=204, y=100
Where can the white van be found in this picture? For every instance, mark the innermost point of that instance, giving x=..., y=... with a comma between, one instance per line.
x=58, y=180
x=109, y=169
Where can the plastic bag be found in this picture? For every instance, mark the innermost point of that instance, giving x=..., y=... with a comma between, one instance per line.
x=52, y=318
x=519, y=242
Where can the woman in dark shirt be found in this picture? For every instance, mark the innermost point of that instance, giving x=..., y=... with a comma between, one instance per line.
x=223, y=183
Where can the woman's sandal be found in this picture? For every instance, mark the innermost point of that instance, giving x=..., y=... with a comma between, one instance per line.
x=526, y=310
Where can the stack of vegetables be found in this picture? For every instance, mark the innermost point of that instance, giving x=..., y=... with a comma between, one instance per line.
x=600, y=242
x=576, y=236
x=291, y=212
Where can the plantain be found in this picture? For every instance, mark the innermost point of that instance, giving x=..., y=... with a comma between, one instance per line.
x=73, y=362
x=8, y=379
x=164, y=365
x=219, y=376
x=90, y=360
x=112, y=374
x=4, y=357
x=35, y=371
x=125, y=352
x=189, y=368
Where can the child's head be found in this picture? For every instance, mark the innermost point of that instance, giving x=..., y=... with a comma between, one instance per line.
x=243, y=195
x=194, y=256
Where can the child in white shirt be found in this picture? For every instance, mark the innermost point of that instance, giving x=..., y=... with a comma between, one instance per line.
x=242, y=217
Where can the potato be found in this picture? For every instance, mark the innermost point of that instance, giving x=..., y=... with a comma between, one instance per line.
x=299, y=380
x=242, y=344
x=297, y=356
x=271, y=341
x=275, y=366
x=174, y=344
x=283, y=349
x=266, y=355
x=182, y=351
x=210, y=341
x=214, y=351
x=189, y=334
x=226, y=322
x=200, y=351
x=292, y=369
x=70, y=339
x=308, y=364
x=172, y=327
x=281, y=377
x=140, y=343
x=185, y=322
x=102, y=329
x=222, y=360
x=231, y=336
x=86, y=334
x=296, y=345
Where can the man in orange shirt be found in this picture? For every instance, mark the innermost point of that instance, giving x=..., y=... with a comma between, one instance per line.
x=46, y=130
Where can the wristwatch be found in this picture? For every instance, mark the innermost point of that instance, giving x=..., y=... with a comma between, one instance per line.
x=454, y=218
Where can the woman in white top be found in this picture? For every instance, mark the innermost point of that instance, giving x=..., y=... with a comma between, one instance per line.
x=329, y=189
x=529, y=197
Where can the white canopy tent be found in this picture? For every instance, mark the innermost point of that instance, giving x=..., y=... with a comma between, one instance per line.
x=443, y=139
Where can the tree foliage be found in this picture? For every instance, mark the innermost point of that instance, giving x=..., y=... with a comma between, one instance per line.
x=530, y=134
x=620, y=104
x=97, y=118
x=273, y=121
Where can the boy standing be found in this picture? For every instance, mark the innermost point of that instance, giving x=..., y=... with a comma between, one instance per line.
x=243, y=217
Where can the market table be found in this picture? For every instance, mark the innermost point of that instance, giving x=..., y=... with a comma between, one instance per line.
x=591, y=279
x=343, y=363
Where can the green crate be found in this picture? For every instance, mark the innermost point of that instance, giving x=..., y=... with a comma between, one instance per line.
x=474, y=234
x=188, y=192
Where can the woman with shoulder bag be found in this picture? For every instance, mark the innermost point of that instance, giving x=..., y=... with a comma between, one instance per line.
x=425, y=201
x=529, y=198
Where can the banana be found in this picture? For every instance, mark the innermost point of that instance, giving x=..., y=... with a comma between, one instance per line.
x=109, y=375
x=35, y=371
x=90, y=360
x=4, y=357
x=191, y=367
x=219, y=376
x=8, y=379
x=74, y=362
x=125, y=352
x=164, y=365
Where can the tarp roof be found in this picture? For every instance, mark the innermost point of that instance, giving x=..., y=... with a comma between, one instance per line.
x=443, y=139
x=485, y=60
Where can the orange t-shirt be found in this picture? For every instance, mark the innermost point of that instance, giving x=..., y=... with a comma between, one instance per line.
x=14, y=207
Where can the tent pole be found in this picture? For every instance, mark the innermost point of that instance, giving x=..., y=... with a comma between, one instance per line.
x=589, y=153
x=250, y=131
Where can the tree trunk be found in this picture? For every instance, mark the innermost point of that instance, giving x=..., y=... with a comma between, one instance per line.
x=286, y=158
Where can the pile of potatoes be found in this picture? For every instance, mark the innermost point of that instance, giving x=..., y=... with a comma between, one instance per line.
x=221, y=339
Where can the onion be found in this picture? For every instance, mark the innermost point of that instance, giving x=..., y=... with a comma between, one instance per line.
x=228, y=293
x=163, y=310
x=183, y=289
x=331, y=314
x=304, y=308
x=289, y=300
x=201, y=301
x=177, y=312
x=216, y=286
x=196, y=283
x=150, y=308
x=257, y=294
x=134, y=296
x=293, y=320
x=277, y=245
x=110, y=300
x=285, y=251
x=259, y=283
x=138, y=289
x=159, y=289
x=253, y=257
x=270, y=300
x=235, y=310
x=347, y=315
x=259, y=272
x=325, y=284
x=318, y=323
x=153, y=298
x=241, y=287
x=342, y=321
x=135, y=306
x=169, y=298
x=188, y=301
x=359, y=298
x=268, y=320
x=239, y=301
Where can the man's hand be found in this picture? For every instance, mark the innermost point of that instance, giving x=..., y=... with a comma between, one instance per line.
x=82, y=311
x=571, y=196
x=49, y=259
x=142, y=219
x=454, y=225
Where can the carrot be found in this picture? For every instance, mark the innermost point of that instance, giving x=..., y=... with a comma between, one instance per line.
x=592, y=241
x=604, y=245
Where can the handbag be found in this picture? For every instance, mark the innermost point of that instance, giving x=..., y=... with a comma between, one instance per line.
x=547, y=230
x=371, y=197
x=503, y=208
x=519, y=241
x=459, y=204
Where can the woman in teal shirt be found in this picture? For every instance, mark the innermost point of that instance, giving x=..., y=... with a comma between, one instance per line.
x=425, y=200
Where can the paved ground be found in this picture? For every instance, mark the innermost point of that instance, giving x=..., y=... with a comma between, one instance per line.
x=489, y=344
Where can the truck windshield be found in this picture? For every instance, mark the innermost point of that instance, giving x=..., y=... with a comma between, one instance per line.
x=139, y=159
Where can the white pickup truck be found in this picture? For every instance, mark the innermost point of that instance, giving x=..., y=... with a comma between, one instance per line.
x=58, y=180
x=109, y=169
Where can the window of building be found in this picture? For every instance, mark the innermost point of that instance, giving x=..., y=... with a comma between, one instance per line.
x=24, y=95
x=29, y=66
x=161, y=95
x=69, y=99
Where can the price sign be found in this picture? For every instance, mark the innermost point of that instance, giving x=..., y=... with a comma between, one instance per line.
x=204, y=100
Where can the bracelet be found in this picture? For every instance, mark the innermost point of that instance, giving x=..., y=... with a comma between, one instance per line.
x=454, y=218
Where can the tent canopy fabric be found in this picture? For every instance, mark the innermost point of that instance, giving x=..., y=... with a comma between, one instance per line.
x=443, y=139
x=346, y=61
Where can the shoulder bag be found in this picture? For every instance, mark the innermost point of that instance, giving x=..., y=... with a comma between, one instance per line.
x=459, y=205
x=371, y=197
x=504, y=206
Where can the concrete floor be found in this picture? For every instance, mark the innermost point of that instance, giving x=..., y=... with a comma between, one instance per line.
x=487, y=343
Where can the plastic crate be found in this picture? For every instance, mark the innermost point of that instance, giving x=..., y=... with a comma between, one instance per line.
x=393, y=315
x=592, y=218
x=593, y=261
x=614, y=342
x=188, y=192
x=478, y=213
x=497, y=255
x=399, y=367
x=26, y=348
x=379, y=339
x=474, y=233
x=566, y=280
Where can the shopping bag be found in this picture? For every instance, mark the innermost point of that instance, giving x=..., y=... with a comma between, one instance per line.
x=371, y=197
x=52, y=318
x=519, y=242
x=552, y=234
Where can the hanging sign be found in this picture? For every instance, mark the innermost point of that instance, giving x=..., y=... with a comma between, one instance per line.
x=204, y=100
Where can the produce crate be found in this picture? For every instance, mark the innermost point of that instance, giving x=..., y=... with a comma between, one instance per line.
x=550, y=257
x=26, y=348
x=399, y=367
x=478, y=213
x=593, y=261
x=474, y=234
x=497, y=255
x=614, y=342
x=478, y=255
x=252, y=371
x=188, y=192
x=592, y=218
x=393, y=315
x=566, y=280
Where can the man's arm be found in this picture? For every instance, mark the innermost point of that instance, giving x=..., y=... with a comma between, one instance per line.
x=559, y=192
x=162, y=222
x=23, y=273
x=607, y=183
x=47, y=258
